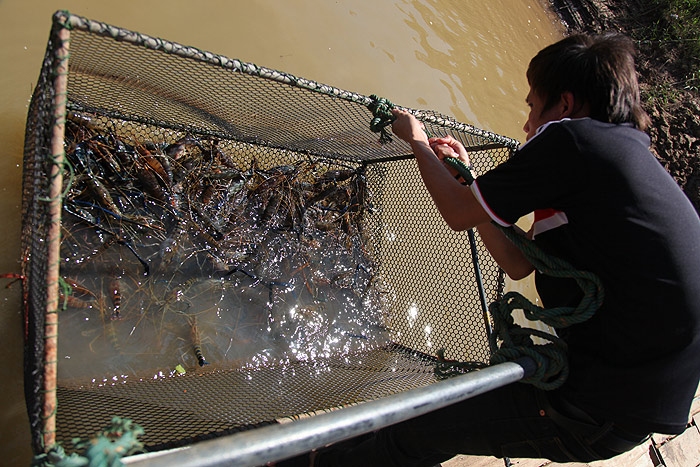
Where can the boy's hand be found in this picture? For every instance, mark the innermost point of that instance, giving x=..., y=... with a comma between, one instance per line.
x=447, y=146
x=407, y=127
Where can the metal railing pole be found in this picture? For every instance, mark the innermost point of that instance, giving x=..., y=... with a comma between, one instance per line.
x=276, y=442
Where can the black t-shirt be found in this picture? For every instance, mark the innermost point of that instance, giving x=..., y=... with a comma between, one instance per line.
x=605, y=204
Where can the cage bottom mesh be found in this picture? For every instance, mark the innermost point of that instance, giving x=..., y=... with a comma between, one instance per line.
x=178, y=410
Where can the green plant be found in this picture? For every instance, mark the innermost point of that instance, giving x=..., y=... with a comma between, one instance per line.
x=662, y=94
x=677, y=26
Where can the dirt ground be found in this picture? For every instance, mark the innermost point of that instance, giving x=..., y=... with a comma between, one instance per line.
x=675, y=130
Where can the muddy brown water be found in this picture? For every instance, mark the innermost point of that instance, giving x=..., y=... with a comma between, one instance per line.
x=463, y=59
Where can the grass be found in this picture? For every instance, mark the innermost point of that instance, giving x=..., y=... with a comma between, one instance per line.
x=668, y=33
x=675, y=27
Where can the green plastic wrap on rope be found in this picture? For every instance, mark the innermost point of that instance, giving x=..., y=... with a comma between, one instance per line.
x=61, y=17
x=381, y=110
x=464, y=170
x=105, y=449
x=516, y=341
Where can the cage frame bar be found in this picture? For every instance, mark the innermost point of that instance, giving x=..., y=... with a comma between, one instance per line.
x=70, y=21
x=55, y=201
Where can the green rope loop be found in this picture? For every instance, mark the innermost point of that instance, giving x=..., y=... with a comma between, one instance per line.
x=515, y=341
x=590, y=284
x=381, y=109
x=551, y=358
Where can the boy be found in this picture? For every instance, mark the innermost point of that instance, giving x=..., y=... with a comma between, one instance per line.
x=602, y=202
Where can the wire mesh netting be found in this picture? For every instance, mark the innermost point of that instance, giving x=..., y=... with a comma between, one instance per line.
x=236, y=247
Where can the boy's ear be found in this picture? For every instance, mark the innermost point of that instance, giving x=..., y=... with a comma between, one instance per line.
x=567, y=104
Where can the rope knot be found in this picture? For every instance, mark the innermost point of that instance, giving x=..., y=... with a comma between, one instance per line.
x=381, y=110
x=445, y=368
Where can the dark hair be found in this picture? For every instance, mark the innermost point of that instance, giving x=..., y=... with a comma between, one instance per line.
x=598, y=69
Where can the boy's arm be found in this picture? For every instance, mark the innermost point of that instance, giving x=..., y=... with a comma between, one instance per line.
x=507, y=255
x=456, y=202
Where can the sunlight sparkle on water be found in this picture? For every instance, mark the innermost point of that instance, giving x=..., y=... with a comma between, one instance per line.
x=428, y=330
x=412, y=314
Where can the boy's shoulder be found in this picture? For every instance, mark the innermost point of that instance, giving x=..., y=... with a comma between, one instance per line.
x=587, y=127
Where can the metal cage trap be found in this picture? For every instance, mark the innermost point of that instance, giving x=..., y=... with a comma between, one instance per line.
x=210, y=246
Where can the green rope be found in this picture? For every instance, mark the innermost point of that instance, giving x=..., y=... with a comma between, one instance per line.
x=516, y=341
x=381, y=110
x=445, y=368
